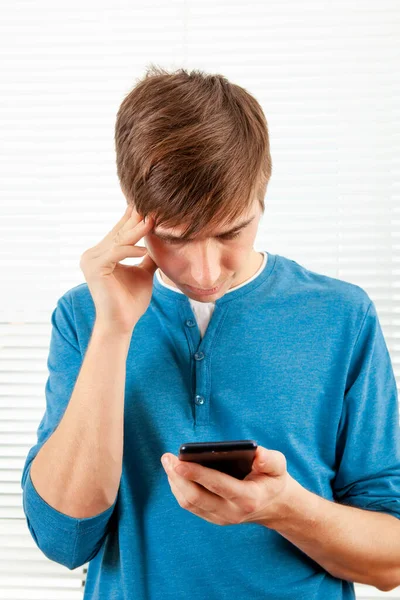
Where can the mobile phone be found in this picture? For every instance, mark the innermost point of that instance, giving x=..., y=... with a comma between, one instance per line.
x=233, y=457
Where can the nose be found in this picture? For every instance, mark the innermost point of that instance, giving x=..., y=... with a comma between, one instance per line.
x=205, y=269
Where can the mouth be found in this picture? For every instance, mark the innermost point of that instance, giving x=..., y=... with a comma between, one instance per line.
x=202, y=291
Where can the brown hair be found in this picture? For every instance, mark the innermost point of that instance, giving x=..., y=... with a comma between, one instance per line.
x=191, y=148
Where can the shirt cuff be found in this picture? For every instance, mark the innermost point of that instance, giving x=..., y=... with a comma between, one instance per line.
x=40, y=513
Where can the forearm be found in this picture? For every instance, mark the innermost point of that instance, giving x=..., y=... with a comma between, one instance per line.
x=350, y=543
x=78, y=469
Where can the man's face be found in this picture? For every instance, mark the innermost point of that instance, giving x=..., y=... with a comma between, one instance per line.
x=210, y=260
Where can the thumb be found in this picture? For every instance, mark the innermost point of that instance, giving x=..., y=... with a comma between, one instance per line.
x=148, y=264
x=271, y=462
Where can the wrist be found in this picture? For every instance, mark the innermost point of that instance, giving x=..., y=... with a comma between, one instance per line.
x=106, y=330
x=296, y=504
x=106, y=335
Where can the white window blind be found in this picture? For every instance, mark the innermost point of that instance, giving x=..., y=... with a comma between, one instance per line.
x=327, y=77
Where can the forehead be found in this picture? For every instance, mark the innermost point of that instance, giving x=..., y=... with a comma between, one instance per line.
x=216, y=226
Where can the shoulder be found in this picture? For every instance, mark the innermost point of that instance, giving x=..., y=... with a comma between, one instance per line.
x=77, y=295
x=331, y=295
x=77, y=303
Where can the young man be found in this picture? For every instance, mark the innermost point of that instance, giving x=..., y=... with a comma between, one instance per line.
x=279, y=354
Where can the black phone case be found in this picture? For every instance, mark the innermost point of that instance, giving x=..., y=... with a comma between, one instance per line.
x=233, y=457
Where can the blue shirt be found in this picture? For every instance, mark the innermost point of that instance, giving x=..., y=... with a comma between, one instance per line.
x=293, y=359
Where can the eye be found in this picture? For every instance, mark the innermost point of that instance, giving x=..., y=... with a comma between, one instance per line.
x=167, y=241
x=230, y=236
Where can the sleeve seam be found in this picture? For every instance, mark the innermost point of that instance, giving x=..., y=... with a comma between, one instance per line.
x=361, y=328
x=75, y=342
x=75, y=545
x=71, y=305
x=353, y=350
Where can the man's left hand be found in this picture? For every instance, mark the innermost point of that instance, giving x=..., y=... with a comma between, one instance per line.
x=261, y=497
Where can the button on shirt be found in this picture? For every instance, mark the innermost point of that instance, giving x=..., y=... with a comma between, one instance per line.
x=291, y=358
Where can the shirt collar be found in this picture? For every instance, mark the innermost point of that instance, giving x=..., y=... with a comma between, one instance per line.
x=173, y=295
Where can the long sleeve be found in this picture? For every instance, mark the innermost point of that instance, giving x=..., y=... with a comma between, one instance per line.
x=368, y=439
x=66, y=540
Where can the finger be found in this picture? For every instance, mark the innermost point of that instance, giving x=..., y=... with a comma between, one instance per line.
x=132, y=232
x=270, y=462
x=194, y=497
x=195, y=511
x=148, y=264
x=123, y=238
x=97, y=249
x=133, y=220
x=129, y=219
x=125, y=217
x=218, y=483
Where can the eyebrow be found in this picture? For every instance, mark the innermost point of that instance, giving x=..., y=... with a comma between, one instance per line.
x=169, y=236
